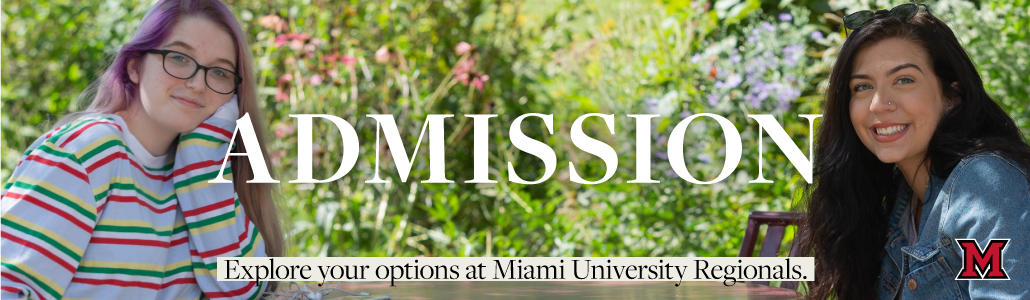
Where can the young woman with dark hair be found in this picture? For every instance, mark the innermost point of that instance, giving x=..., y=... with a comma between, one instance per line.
x=913, y=155
x=115, y=202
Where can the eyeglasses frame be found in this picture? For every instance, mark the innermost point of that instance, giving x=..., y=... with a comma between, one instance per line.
x=164, y=55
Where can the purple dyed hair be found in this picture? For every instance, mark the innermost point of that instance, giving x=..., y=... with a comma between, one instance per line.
x=115, y=92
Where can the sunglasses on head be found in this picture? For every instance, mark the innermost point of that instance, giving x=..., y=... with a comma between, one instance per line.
x=902, y=13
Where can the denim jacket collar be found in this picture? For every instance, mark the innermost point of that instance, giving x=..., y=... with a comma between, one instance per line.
x=894, y=265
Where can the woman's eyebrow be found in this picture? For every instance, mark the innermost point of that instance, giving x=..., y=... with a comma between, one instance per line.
x=188, y=47
x=892, y=71
x=180, y=44
x=900, y=67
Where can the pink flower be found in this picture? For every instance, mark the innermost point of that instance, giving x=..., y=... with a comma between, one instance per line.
x=296, y=45
x=349, y=61
x=286, y=78
x=463, y=48
x=282, y=96
x=478, y=81
x=276, y=157
x=316, y=79
x=282, y=130
x=464, y=66
x=296, y=40
x=272, y=22
x=281, y=39
x=383, y=54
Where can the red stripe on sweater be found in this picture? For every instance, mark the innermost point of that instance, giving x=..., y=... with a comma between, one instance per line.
x=233, y=293
x=83, y=129
x=220, y=251
x=139, y=242
x=130, y=199
x=180, y=241
x=18, y=280
x=209, y=207
x=223, y=132
x=196, y=166
x=62, y=166
x=48, y=207
x=122, y=155
x=41, y=250
x=139, y=284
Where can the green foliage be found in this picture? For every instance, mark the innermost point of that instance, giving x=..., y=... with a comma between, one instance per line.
x=412, y=58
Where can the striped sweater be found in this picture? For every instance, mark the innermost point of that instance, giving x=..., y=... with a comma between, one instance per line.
x=89, y=214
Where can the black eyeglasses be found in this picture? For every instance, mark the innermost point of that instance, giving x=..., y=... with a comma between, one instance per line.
x=183, y=66
x=902, y=13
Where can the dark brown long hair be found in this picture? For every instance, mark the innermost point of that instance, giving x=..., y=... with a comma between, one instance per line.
x=852, y=195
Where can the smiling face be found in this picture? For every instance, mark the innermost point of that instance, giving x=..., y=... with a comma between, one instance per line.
x=168, y=105
x=896, y=101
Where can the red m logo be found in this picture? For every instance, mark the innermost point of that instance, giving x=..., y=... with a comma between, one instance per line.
x=982, y=265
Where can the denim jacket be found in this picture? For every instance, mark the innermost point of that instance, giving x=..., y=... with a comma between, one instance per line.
x=986, y=196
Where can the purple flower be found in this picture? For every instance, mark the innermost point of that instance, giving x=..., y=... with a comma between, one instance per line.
x=792, y=53
x=752, y=77
x=734, y=58
x=768, y=26
x=752, y=39
x=663, y=139
x=791, y=61
x=704, y=157
x=755, y=103
x=733, y=81
x=758, y=65
x=759, y=85
x=787, y=93
x=661, y=155
x=713, y=99
x=786, y=17
x=651, y=103
x=696, y=58
x=783, y=105
x=793, y=49
x=817, y=35
x=685, y=114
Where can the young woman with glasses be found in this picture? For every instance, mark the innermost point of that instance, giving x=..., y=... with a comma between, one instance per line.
x=913, y=159
x=115, y=202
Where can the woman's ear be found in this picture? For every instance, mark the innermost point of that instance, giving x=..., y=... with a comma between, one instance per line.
x=133, y=69
x=953, y=97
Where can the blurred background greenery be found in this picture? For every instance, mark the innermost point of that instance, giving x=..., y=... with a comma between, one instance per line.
x=411, y=58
